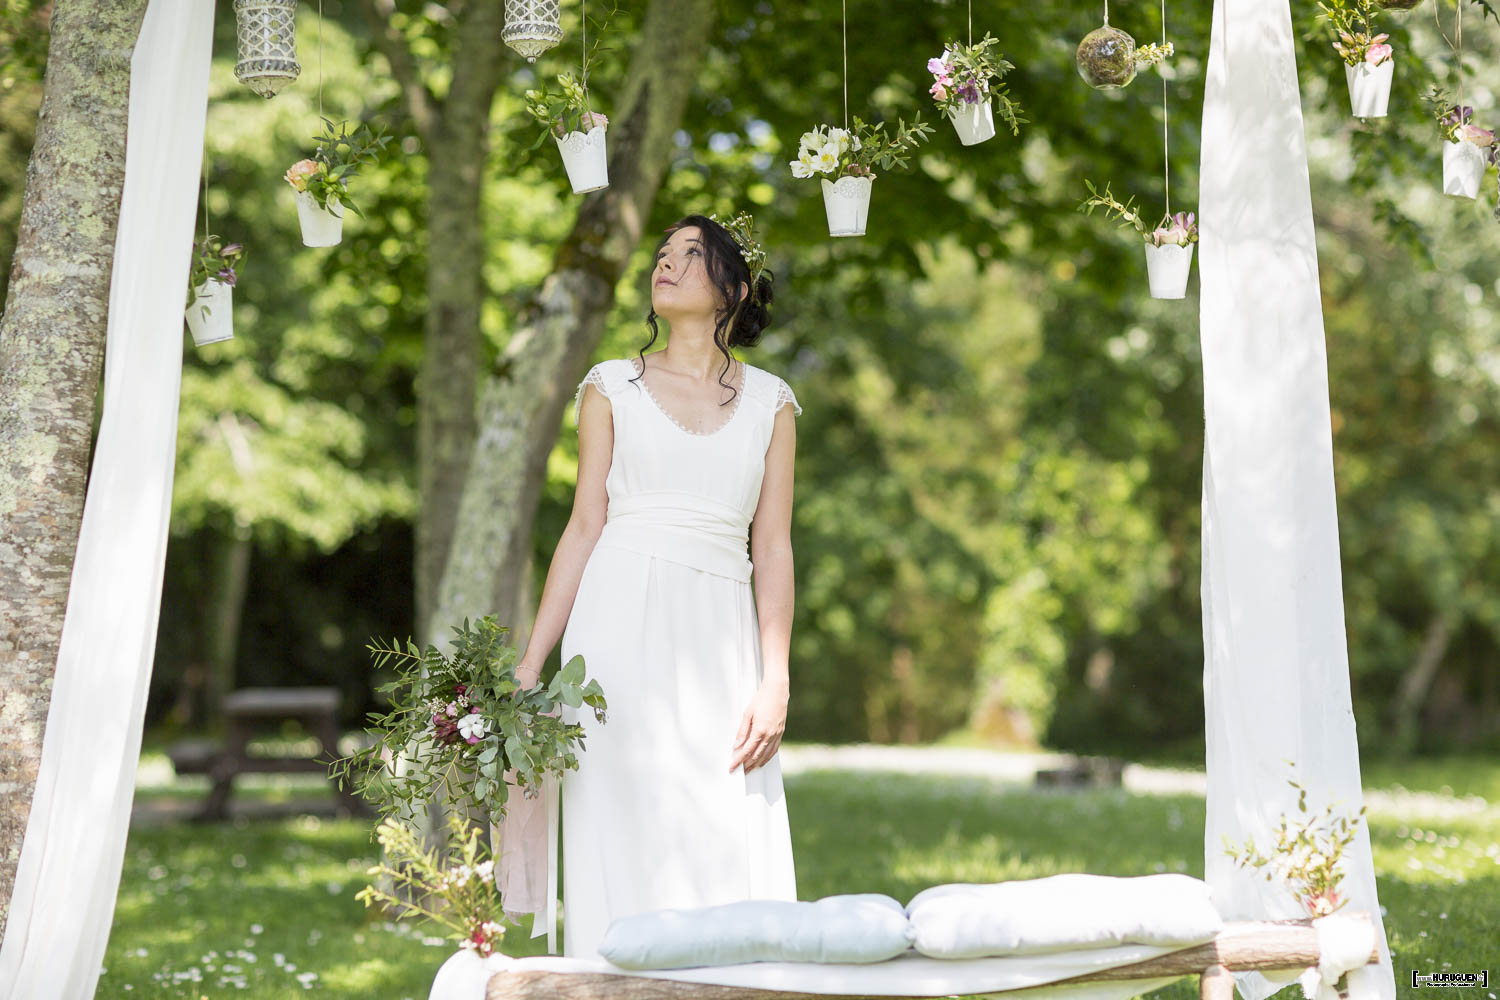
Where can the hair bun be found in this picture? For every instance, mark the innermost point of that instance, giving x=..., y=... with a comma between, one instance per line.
x=754, y=315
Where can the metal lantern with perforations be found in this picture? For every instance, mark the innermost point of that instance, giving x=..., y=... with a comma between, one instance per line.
x=532, y=26
x=267, y=44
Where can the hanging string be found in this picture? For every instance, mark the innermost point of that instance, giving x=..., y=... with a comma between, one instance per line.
x=971, y=22
x=1458, y=50
x=583, y=15
x=1166, y=170
x=205, y=200
x=844, y=29
x=1106, y=13
x=320, y=60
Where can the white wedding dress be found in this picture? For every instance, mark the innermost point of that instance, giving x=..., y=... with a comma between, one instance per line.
x=665, y=620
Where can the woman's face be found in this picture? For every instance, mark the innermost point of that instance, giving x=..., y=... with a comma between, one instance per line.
x=679, y=283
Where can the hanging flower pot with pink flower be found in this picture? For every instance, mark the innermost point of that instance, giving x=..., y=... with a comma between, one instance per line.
x=1369, y=62
x=1168, y=247
x=578, y=130
x=966, y=85
x=321, y=183
x=210, y=302
x=849, y=157
x=1467, y=148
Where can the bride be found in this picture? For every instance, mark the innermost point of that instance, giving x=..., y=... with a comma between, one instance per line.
x=685, y=459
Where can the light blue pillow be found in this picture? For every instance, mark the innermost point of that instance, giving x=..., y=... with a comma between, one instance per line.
x=861, y=927
x=1061, y=913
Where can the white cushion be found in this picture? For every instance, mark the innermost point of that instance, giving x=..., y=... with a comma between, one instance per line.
x=862, y=927
x=1060, y=913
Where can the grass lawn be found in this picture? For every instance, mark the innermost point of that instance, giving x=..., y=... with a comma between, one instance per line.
x=266, y=909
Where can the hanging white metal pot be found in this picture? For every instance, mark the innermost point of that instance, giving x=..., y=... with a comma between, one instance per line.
x=584, y=157
x=847, y=204
x=1167, y=268
x=1369, y=88
x=532, y=26
x=1463, y=168
x=211, y=316
x=974, y=122
x=267, y=44
x=322, y=226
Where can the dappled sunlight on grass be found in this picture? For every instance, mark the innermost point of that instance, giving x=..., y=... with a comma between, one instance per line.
x=267, y=909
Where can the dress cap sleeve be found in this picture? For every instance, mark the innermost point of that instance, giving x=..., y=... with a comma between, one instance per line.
x=784, y=395
x=596, y=377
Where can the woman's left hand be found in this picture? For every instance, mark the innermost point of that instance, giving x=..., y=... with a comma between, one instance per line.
x=759, y=735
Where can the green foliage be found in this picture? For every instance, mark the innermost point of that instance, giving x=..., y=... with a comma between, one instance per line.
x=459, y=723
x=1126, y=212
x=452, y=885
x=563, y=112
x=1306, y=858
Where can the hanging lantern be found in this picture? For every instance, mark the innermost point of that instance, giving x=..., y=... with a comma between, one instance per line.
x=532, y=26
x=268, y=44
x=1106, y=58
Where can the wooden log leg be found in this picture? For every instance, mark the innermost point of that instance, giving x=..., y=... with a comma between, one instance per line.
x=1216, y=983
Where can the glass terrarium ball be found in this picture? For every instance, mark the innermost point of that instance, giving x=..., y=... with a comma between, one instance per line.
x=1106, y=58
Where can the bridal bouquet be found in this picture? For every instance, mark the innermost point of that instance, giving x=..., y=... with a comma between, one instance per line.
x=459, y=724
x=453, y=886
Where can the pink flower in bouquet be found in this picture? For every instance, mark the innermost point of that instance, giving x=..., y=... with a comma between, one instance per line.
x=1179, y=232
x=937, y=67
x=1378, y=53
x=298, y=173
x=591, y=120
x=939, y=91
x=1324, y=903
x=1473, y=133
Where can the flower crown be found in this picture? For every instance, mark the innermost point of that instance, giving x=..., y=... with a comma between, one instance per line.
x=739, y=227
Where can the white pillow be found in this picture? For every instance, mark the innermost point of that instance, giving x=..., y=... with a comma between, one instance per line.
x=1061, y=913
x=862, y=927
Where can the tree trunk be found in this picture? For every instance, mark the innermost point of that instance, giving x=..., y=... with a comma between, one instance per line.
x=51, y=353
x=521, y=408
x=457, y=148
x=231, y=579
x=1417, y=682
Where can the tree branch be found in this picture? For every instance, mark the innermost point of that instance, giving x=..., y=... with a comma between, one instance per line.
x=420, y=102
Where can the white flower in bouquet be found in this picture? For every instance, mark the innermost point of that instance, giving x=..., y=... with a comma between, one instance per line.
x=802, y=166
x=471, y=727
x=827, y=159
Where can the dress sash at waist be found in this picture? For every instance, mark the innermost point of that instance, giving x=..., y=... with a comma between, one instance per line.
x=681, y=527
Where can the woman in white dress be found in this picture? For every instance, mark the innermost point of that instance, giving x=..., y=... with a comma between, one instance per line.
x=684, y=486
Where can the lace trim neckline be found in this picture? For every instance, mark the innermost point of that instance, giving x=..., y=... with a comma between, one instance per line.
x=738, y=404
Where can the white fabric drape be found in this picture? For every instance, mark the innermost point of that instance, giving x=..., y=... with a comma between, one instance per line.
x=1276, y=670
x=69, y=869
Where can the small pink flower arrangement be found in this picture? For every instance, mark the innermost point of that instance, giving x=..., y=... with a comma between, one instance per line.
x=1354, y=34
x=963, y=75
x=339, y=156
x=1180, y=230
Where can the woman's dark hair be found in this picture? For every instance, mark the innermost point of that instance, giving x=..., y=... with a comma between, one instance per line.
x=738, y=323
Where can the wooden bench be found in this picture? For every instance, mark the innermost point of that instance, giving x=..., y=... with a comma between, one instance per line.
x=249, y=710
x=1240, y=946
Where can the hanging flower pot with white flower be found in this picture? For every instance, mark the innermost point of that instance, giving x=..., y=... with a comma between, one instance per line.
x=966, y=85
x=1169, y=247
x=1467, y=148
x=210, y=315
x=321, y=183
x=579, y=132
x=1369, y=63
x=849, y=157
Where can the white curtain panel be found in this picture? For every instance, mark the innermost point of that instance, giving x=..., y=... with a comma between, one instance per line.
x=69, y=869
x=1276, y=671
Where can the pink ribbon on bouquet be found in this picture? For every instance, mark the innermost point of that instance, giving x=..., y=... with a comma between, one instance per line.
x=526, y=872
